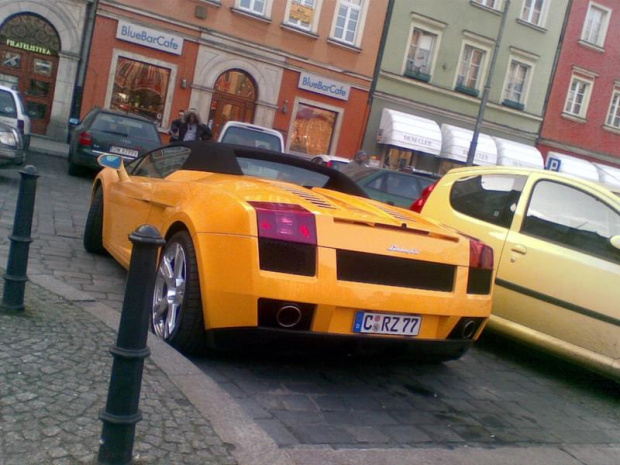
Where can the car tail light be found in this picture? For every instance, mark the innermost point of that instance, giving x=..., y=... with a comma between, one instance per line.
x=85, y=139
x=330, y=164
x=285, y=222
x=419, y=204
x=480, y=255
x=21, y=125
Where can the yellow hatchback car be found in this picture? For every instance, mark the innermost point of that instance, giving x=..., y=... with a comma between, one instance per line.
x=556, y=240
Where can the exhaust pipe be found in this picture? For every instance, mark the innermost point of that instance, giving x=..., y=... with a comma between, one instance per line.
x=468, y=330
x=288, y=316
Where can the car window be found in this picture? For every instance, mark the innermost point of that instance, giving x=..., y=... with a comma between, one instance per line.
x=124, y=127
x=251, y=138
x=280, y=172
x=490, y=198
x=159, y=163
x=7, y=104
x=572, y=218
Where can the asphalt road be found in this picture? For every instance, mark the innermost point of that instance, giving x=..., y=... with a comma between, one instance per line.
x=499, y=395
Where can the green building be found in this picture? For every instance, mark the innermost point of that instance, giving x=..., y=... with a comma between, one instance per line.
x=436, y=59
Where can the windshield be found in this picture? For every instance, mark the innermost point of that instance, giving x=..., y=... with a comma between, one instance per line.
x=122, y=126
x=252, y=138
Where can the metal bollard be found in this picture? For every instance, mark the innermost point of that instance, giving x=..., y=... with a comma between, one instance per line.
x=15, y=277
x=121, y=412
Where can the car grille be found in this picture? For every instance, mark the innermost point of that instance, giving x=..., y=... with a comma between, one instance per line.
x=287, y=257
x=369, y=268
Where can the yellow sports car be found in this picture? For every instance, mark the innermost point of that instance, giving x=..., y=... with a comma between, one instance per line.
x=263, y=246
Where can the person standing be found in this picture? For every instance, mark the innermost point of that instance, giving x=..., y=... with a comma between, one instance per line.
x=175, y=126
x=192, y=128
x=360, y=159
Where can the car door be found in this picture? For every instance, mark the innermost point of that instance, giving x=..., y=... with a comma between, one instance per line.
x=558, y=273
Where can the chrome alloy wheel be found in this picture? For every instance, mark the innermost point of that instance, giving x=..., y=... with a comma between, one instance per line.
x=169, y=291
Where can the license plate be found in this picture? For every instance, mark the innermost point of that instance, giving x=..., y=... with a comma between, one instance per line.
x=123, y=151
x=387, y=323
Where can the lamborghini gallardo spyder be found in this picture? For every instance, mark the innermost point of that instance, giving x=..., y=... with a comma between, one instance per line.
x=263, y=247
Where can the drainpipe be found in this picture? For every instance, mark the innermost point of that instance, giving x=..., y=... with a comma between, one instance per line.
x=487, y=89
x=87, y=38
x=375, y=76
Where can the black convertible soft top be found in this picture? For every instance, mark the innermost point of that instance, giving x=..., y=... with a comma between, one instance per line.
x=216, y=157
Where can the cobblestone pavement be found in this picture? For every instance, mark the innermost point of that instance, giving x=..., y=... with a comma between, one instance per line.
x=54, y=376
x=499, y=396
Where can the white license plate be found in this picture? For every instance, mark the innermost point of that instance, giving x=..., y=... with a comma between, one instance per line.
x=387, y=323
x=123, y=151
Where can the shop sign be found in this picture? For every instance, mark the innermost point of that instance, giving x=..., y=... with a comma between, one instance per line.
x=302, y=13
x=324, y=86
x=149, y=37
x=28, y=47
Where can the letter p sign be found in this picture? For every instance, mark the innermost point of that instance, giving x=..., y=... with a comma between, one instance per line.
x=553, y=164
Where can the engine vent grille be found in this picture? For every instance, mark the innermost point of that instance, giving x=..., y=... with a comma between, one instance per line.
x=287, y=257
x=308, y=196
x=393, y=213
x=369, y=268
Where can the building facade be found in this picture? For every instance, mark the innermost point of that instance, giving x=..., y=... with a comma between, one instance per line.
x=303, y=67
x=582, y=119
x=435, y=65
x=41, y=42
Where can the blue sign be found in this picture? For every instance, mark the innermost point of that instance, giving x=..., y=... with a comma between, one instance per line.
x=149, y=37
x=554, y=164
x=324, y=86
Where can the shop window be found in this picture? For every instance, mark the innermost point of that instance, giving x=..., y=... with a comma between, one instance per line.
x=313, y=130
x=410, y=160
x=36, y=110
x=140, y=88
x=42, y=67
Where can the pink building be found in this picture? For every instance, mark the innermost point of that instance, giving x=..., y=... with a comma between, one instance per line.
x=582, y=118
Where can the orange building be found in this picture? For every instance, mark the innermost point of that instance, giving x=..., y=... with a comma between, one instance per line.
x=303, y=67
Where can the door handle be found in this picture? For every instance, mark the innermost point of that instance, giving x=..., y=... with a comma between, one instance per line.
x=517, y=249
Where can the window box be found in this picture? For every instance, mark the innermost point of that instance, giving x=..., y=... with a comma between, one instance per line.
x=467, y=90
x=513, y=104
x=424, y=77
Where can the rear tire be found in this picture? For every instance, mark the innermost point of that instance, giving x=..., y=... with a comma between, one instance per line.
x=93, y=230
x=177, y=315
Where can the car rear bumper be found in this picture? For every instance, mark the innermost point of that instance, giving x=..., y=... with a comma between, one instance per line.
x=287, y=342
x=85, y=157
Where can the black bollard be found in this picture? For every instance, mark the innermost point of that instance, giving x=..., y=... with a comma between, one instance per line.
x=15, y=277
x=121, y=412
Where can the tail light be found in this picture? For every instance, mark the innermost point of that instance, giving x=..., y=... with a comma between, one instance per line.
x=419, y=204
x=480, y=255
x=330, y=164
x=285, y=222
x=480, y=276
x=21, y=126
x=85, y=139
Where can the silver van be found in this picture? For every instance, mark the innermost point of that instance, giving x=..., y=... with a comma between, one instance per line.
x=12, y=113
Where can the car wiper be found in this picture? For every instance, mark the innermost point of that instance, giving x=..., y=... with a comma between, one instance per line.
x=122, y=134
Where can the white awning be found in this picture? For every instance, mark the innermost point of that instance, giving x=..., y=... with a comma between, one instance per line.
x=510, y=153
x=409, y=132
x=568, y=164
x=455, y=144
x=608, y=174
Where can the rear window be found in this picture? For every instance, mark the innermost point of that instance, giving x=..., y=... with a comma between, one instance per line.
x=125, y=127
x=490, y=198
x=281, y=172
x=7, y=105
x=252, y=138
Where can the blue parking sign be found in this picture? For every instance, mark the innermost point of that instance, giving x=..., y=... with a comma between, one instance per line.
x=553, y=164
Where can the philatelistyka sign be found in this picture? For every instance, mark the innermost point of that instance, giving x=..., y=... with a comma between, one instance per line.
x=149, y=37
x=325, y=86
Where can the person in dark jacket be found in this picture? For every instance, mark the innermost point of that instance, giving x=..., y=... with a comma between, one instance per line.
x=192, y=128
x=175, y=126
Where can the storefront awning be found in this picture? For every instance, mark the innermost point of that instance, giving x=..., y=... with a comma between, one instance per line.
x=567, y=164
x=455, y=144
x=409, y=132
x=608, y=174
x=510, y=153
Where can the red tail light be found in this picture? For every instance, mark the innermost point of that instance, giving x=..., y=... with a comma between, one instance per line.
x=285, y=222
x=85, y=139
x=419, y=204
x=480, y=255
x=330, y=164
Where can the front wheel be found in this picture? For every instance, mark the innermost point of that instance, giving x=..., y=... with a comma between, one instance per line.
x=177, y=305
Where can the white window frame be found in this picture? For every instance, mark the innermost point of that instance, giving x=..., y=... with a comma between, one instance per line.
x=267, y=4
x=528, y=79
x=315, y=19
x=360, y=24
x=543, y=12
x=491, y=4
x=613, y=112
x=602, y=32
x=588, y=82
x=432, y=59
x=486, y=48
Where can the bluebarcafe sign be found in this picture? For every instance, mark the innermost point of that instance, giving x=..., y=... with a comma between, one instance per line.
x=149, y=37
x=325, y=86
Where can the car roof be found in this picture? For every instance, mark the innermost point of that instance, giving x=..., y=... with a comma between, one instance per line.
x=219, y=157
x=528, y=171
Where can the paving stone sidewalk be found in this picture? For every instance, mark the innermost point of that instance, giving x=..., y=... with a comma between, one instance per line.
x=54, y=374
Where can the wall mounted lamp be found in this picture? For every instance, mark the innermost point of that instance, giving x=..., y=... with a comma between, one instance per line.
x=285, y=106
x=183, y=83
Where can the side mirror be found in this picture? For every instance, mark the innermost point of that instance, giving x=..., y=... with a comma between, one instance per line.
x=615, y=241
x=114, y=162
